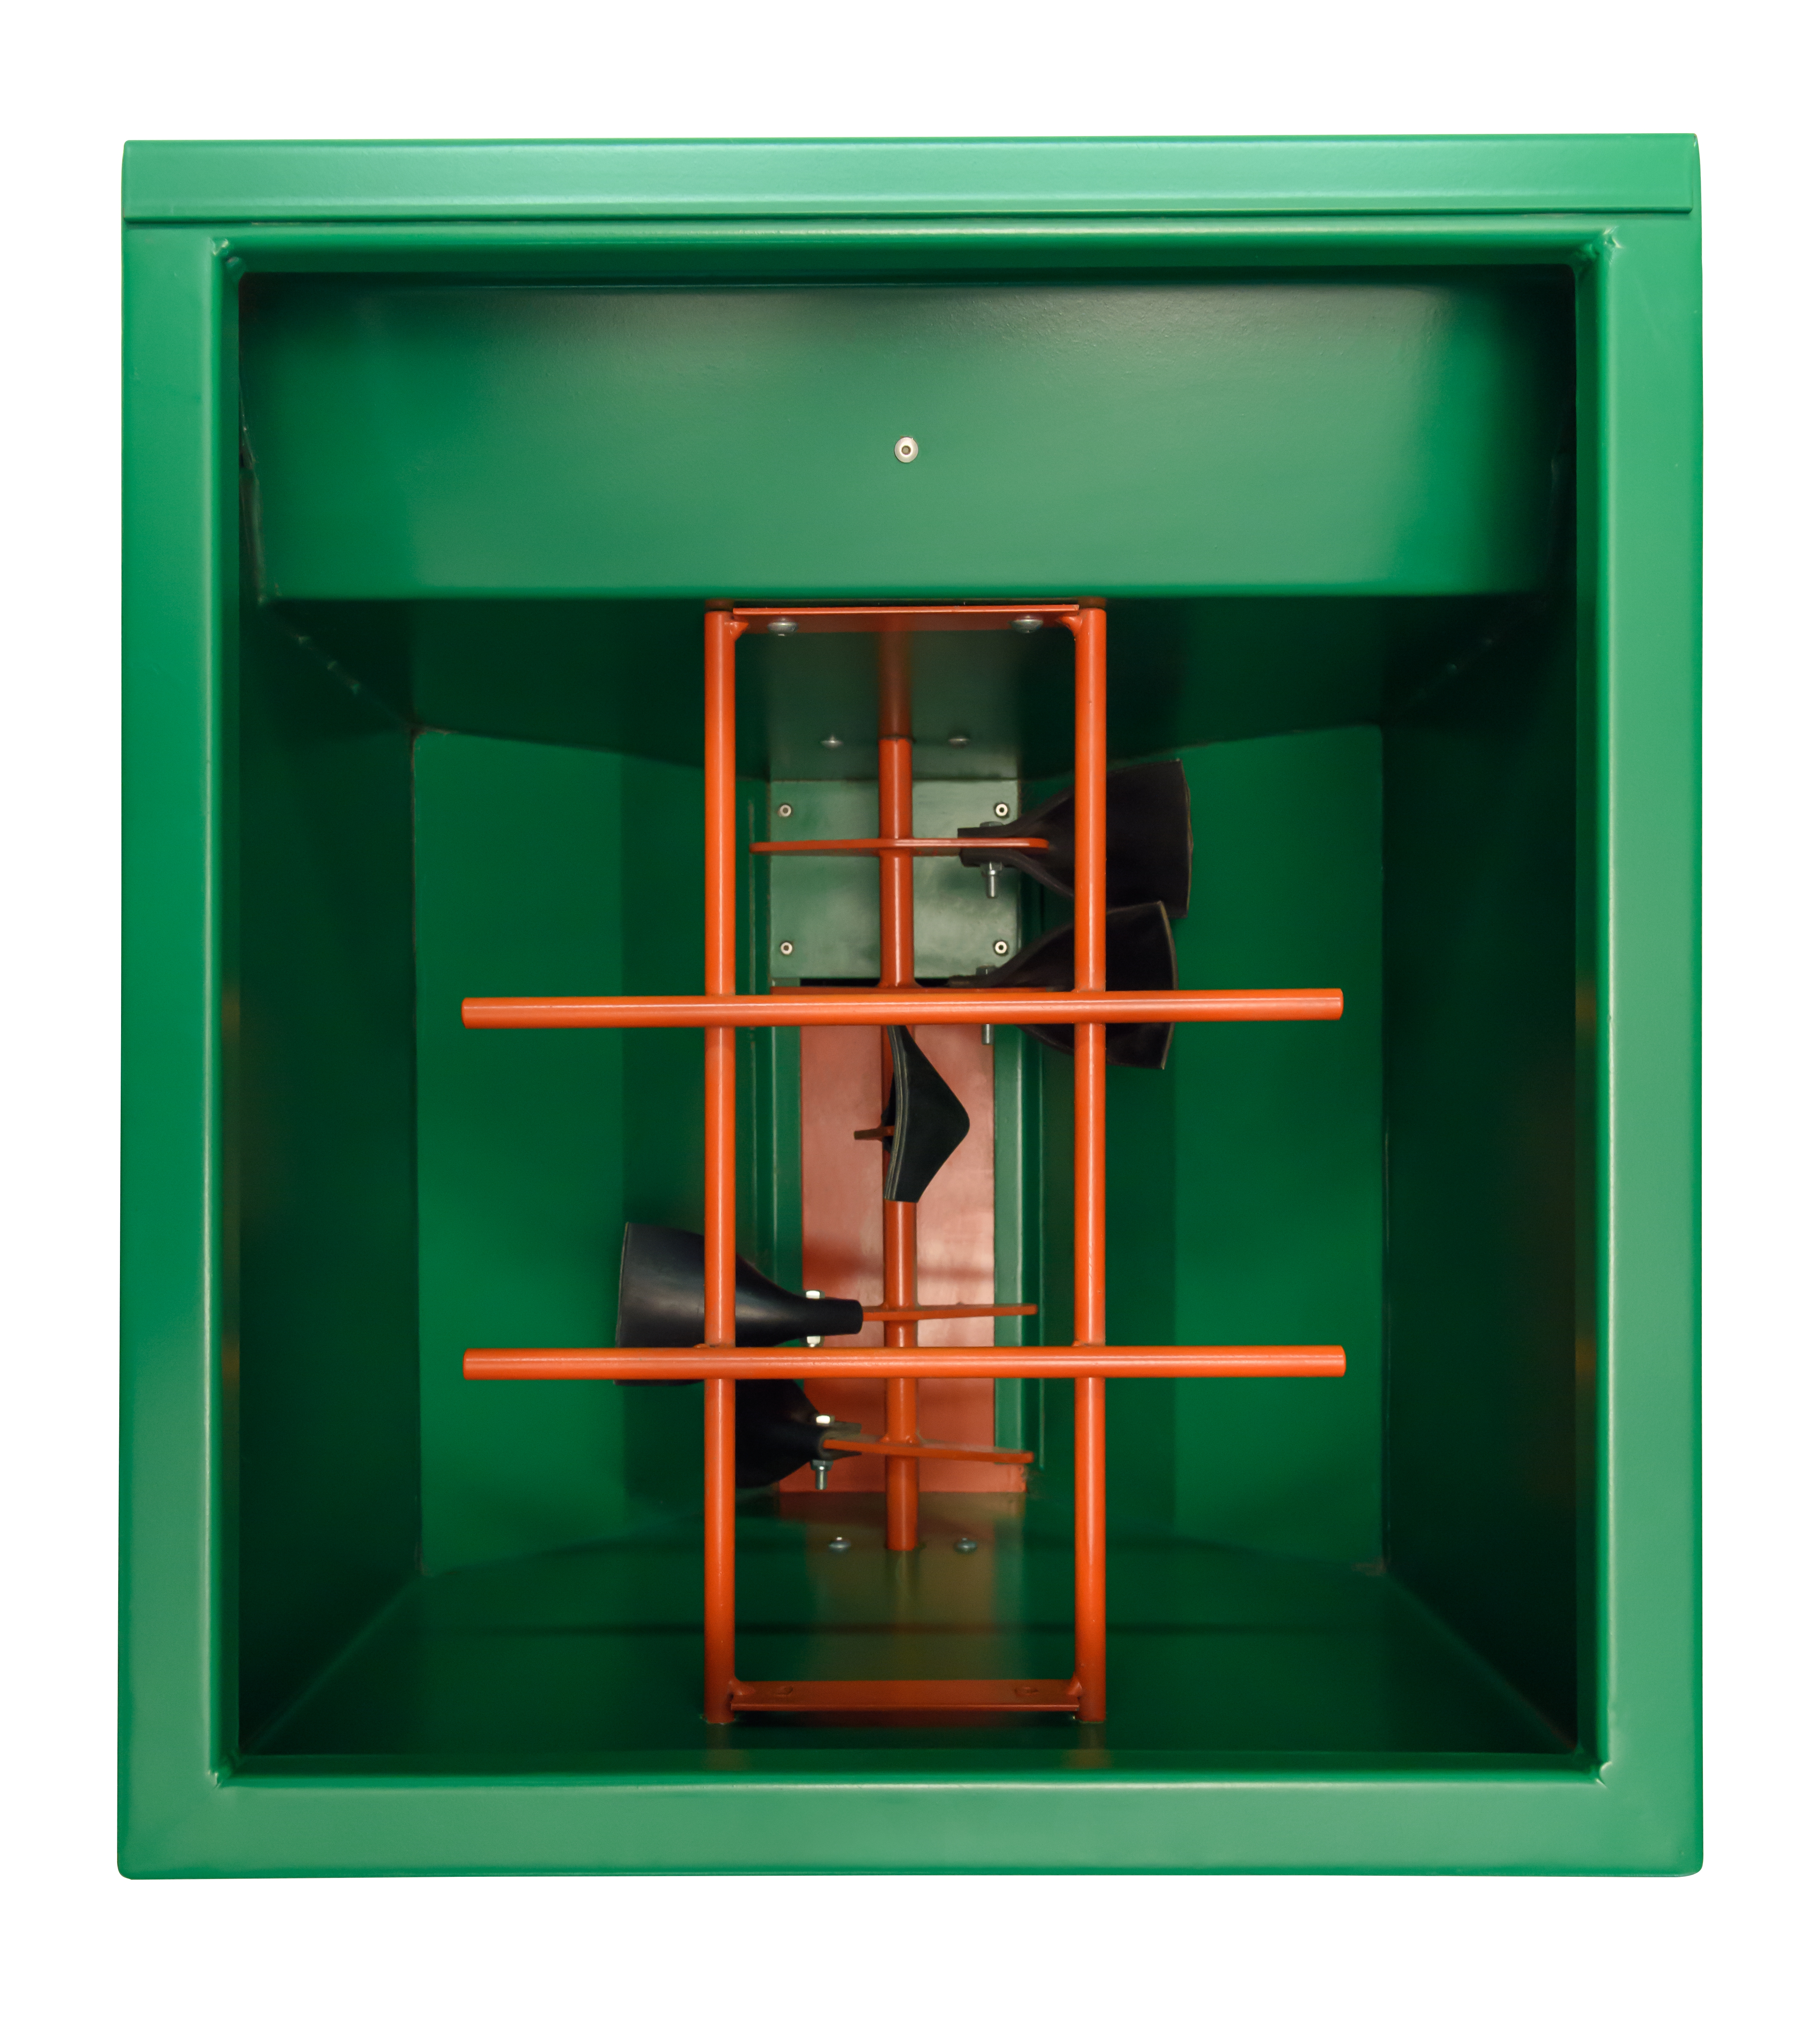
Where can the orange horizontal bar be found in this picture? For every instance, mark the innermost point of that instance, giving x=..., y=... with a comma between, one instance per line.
x=936, y=1312
x=986, y=1362
x=954, y=845
x=800, y=1008
x=918, y=1448
x=906, y=1694
x=824, y=616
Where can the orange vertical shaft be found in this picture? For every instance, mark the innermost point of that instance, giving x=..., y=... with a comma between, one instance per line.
x=720, y=1150
x=897, y=968
x=1090, y=1159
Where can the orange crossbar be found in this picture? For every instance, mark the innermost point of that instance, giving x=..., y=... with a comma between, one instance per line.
x=984, y=1694
x=802, y=1007
x=864, y=844
x=886, y=618
x=953, y=1362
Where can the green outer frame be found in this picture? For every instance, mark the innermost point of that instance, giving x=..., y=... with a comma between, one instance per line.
x=1623, y=211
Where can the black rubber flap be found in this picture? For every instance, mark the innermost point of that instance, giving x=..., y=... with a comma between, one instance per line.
x=1140, y=954
x=927, y=1120
x=1149, y=839
x=662, y=1301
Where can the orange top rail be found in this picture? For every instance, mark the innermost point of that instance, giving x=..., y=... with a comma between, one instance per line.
x=808, y=617
x=802, y=1007
x=989, y=1362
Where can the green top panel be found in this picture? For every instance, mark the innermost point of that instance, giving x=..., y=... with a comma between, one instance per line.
x=277, y=181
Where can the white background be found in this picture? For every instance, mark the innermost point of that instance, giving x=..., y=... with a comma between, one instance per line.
x=75, y=83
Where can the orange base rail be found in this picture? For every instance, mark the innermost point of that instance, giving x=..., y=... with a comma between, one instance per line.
x=955, y=1362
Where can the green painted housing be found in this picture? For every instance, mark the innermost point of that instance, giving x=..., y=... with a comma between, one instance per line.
x=1384, y=454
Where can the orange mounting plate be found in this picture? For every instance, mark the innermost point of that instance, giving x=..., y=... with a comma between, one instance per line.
x=875, y=616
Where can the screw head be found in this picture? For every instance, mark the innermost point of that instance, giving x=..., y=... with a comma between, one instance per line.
x=839, y=1546
x=782, y=627
x=1001, y=810
x=1028, y=625
x=830, y=743
x=787, y=947
x=966, y=1545
x=1001, y=947
x=783, y=812
x=905, y=448
x=957, y=742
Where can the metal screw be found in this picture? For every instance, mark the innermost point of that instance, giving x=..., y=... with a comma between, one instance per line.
x=839, y=1546
x=783, y=812
x=1026, y=624
x=782, y=627
x=1001, y=947
x=787, y=947
x=905, y=449
x=966, y=1545
x=830, y=743
x=957, y=742
x=1001, y=810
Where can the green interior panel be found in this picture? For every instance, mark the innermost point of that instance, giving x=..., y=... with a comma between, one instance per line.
x=1329, y=518
x=1370, y=434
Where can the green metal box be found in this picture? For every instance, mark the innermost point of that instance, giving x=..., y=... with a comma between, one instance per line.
x=1384, y=456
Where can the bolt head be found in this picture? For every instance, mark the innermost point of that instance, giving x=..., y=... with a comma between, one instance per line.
x=905, y=448
x=839, y=1546
x=787, y=947
x=782, y=627
x=1001, y=810
x=966, y=1545
x=783, y=812
x=957, y=742
x=1001, y=947
x=1028, y=625
x=830, y=743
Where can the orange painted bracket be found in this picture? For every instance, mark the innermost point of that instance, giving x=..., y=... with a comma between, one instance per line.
x=889, y=1695
x=797, y=1008
x=885, y=617
x=939, y=1313
x=954, y=845
x=989, y=1362
x=918, y=1448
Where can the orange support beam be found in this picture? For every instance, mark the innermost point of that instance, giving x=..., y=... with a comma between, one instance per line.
x=948, y=1362
x=797, y=1008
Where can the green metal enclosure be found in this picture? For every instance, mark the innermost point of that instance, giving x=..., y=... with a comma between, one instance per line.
x=1384, y=458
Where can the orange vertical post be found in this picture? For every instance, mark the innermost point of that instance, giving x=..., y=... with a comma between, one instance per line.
x=897, y=968
x=720, y=1149
x=1090, y=1160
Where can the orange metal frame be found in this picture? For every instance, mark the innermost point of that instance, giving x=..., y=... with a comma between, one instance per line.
x=1090, y=1007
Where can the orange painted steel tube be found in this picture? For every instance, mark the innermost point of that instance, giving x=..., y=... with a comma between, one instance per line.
x=958, y=1362
x=954, y=845
x=984, y=1694
x=897, y=969
x=1090, y=1153
x=720, y=1152
x=939, y=1313
x=802, y=1008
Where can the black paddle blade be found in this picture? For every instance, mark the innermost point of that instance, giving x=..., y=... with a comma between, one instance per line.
x=1140, y=954
x=1149, y=839
x=775, y=1430
x=928, y=1123
x=662, y=1301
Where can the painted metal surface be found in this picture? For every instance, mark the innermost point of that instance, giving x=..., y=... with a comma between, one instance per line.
x=195, y=1799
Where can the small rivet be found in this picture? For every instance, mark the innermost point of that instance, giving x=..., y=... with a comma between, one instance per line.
x=839, y=1546
x=1027, y=624
x=1001, y=947
x=787, y=947
x=782, y=627
x=783, y=812
x=830, y=743
x=966, y=1545
x=906, y=448
x=1001, y=810
x=957, y=742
